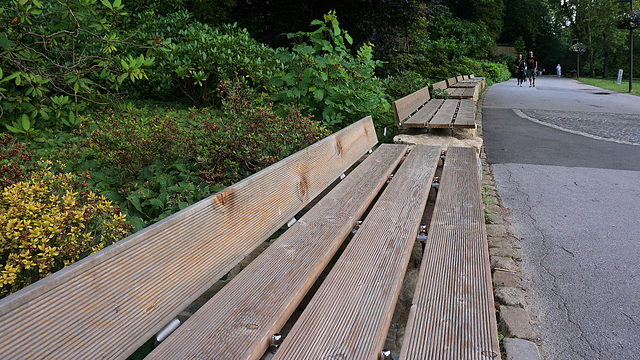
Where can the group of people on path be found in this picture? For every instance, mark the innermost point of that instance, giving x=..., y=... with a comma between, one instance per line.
x=526, y=67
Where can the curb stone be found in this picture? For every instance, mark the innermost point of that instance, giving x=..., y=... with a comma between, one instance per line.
x=519, y=349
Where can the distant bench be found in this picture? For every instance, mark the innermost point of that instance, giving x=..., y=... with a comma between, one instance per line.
x=109, y=304
x=419, y=110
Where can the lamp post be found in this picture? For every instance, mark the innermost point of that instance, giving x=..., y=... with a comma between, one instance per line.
x=577, y=59
x=630, y=48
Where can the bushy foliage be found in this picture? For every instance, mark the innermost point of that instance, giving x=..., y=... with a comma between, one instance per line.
x=58, y=56
x=192, y=58
x=15, y=161
x=322, y=77
x=154, y=164
x=49, y=221
x=248, y=136
x=404, y=83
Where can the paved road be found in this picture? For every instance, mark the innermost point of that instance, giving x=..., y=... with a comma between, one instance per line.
x=566, y=161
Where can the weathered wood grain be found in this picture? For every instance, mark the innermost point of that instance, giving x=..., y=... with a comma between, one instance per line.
x=409, y=104
x=422, y=117
x=453, y=314
x=350, y=314
x=442, y=85
x=444, y=117
x=107, y=305
x=465, y=118
x=238, y=322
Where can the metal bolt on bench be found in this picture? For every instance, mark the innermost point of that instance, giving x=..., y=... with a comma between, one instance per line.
x=390, y=178
x=385, y=354
x=422, y=235
x=167, y=330
x=355, y=228
x=276, y=341
x=436, y=183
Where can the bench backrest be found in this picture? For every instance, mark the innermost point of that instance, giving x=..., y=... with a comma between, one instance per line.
x=442, y=85
x=471, y=76
x=407, y=105
x=112, y=302
x=452, y=80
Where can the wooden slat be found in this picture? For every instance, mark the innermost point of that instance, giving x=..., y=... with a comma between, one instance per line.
x=422, y=117
x=466, y=84
x=456, y=93
x=451, y=81
x=453, y=314
x=349, y=316
x=107, y=305
x=442, y=85
x=238, y=322
x=405, y=106
x=444, y=117
x=465, y=118
x=470, y=93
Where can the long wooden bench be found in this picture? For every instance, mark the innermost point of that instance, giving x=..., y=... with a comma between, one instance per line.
x=109, y=304
x=419, y=110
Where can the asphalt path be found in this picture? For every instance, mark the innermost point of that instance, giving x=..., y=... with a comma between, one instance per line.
x=566, y=162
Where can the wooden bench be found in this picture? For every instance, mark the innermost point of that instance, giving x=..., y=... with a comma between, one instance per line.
x=112, y=302
x=419, y=110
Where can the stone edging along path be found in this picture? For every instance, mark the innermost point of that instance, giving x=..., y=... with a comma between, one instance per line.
x=515, y=321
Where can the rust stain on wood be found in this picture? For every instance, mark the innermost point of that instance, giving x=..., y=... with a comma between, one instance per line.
x=224, y=198
x=302, y=187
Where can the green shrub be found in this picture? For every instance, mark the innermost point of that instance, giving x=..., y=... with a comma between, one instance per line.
x=49, y=221
x=192, y=58
x=323, y=78
x=248, y=137
x=15, y=161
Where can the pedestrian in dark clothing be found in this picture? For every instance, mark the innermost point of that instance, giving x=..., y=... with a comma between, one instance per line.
x=520, y=69
x=532, y=68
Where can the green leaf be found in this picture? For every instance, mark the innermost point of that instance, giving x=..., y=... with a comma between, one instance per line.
x=349, y=39
x=135, y=201
x=25, y=122
x=107, y=4
x=6, y=44
x=14, y=129
x=318, y=94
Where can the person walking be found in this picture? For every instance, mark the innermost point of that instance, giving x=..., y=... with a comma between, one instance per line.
x=558, y=70
x=520, y=69
x=532, y=67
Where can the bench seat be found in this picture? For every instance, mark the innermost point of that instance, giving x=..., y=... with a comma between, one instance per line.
x=350, y=314
x=244, y=315
x=453, y=314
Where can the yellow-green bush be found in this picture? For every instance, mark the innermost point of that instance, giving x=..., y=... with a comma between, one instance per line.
x=49, y=221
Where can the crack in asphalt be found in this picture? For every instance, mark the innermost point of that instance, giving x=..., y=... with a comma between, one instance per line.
x=542, y=264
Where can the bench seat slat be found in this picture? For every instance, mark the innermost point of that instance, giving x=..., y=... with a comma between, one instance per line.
x=465, y=118
x=350, y=314
x=422, y=117
x=238, y=321
x=453, y=314
x=109, y=304
x=444, y=116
